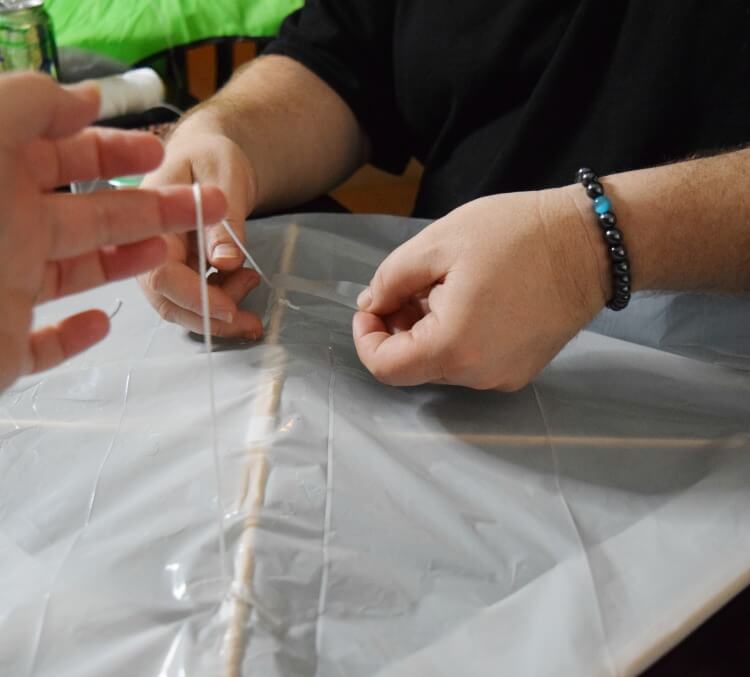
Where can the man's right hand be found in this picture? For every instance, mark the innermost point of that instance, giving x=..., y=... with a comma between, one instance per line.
x=301, y=139
x=200, y=152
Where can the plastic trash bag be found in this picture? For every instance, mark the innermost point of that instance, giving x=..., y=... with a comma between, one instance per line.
x=580, y=526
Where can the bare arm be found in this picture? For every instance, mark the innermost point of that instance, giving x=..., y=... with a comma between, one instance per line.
x=300, y=137
x=686, y=225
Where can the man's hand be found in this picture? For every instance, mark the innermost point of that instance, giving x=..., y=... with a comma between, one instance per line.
x=197, y=152
x=486, y=296
x=275, y=136
x=54, y=244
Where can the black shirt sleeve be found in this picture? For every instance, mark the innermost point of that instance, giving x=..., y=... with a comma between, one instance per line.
x=349, y=45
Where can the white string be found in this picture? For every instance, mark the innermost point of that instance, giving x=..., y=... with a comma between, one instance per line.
x=237, y=241
x=201, y=237
x=172, y=109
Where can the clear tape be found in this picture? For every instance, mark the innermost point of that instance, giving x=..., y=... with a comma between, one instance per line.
x=339, y=291
x=343, y=292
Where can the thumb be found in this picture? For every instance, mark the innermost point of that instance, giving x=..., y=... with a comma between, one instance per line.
x=223, y=253
x=415, y=266
x=234, y=174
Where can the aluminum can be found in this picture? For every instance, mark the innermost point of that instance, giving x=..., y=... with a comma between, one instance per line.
x=27, y=40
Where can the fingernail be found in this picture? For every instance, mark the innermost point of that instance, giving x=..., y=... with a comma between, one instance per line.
x=364, y=300
x=224, y=317
x=225, y=251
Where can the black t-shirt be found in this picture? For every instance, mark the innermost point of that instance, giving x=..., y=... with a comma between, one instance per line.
x=503, y=95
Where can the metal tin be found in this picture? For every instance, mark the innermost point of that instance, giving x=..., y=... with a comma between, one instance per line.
x=27, y=40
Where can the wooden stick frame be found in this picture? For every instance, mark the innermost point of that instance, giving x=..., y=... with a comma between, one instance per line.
x=255, y=478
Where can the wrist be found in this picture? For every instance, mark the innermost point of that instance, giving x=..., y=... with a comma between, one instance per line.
x=620, y=241
x=640, y=229
x=584, y=257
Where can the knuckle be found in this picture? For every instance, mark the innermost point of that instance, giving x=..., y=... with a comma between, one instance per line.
x=165, y=309
x=222, y=330
x=156, y=279
x=383, y=372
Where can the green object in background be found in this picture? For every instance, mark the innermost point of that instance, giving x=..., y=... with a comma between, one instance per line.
x=131, y=30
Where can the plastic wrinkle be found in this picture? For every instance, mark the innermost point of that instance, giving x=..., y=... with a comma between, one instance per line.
x=323, y=594
x=245, y=594
x=584, y=551
x=86, y=522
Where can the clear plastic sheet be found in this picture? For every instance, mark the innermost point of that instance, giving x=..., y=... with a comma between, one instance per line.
x=578, y=527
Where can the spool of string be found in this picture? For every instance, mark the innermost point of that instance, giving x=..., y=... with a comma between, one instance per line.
x=133, y=92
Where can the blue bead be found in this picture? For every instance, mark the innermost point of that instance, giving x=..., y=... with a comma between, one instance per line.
x=602, y=204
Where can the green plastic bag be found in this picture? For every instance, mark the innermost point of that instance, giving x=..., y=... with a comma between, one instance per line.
x=131, y=30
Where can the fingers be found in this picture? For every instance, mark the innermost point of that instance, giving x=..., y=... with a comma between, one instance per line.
x=239, y=283
x=245, y=324
x=70, y=276
x=42, y=108
x=401, y=359
x=94, y=154
x=398, y=338
x=409, y=270
x=179, y=284
x=52, y=345
x=82, y=223
x=173, y=290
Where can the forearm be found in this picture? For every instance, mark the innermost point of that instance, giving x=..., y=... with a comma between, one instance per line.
x=300, y=137
x=686, y=225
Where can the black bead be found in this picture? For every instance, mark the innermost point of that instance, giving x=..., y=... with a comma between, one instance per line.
x=624, y=279
x=621, y=288
x=621, y=268
x=618, y=253
x=607, y=220
x=622, y=298
x=584, y=175
x=588, y=177
x=594, y=190
x=613, y=236
x=616, y=305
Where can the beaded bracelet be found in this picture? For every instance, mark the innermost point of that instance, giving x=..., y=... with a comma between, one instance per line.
x=612, y=238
